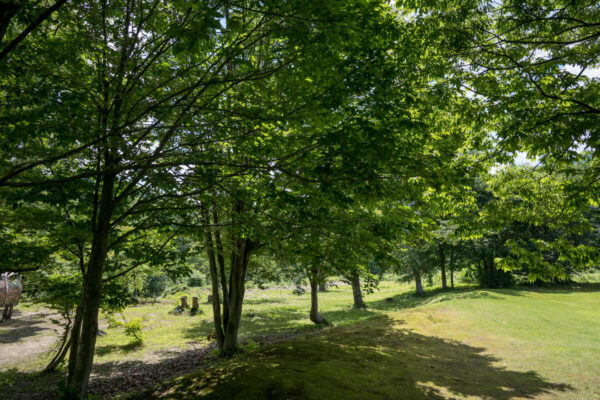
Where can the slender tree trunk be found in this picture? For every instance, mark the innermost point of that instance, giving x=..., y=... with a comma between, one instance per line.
x=75, y=335
x=215, y=283
x=451, y=265
x=91, y=293
x=323, y=287
x=63, y=349
x=239, y=263
x=221, y=262
x=356, y=292
x=442, y=265
x=419, y=285
x=59, y=357
x=314, y=297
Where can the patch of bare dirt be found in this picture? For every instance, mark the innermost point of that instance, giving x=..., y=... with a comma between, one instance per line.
x=112, y=379
x=28, y=337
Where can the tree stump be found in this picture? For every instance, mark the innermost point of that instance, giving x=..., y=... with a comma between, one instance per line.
x=184, y=303
x=195, y=304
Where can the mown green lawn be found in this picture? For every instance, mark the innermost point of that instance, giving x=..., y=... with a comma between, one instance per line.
x=467, y=344
x=266, y=312
x=462, y=344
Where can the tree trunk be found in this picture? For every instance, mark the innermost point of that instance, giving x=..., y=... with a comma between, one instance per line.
x=239, y=263
x=323, y=287
x=64, y=348
x=356, y=292
x=451, y=269
x=92, y=289
x=214, y=278
x=89, y=322
x=419, y=285
x=233, y=292
x=442, y=265
x=314, y=298
x=59, y=357
x=75, y=335
x=221, y=263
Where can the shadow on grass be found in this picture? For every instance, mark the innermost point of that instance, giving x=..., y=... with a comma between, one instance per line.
x=17, y=385
x=375, y=358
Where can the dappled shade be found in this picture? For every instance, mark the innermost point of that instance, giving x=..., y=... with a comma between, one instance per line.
x=376, y=357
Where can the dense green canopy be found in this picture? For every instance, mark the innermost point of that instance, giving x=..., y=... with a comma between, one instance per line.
x=276, y=140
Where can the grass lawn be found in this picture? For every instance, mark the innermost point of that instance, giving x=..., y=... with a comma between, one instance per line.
x=467, y=344
x=471, y=344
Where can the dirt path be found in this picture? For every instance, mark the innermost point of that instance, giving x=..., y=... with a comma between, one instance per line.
x=129, y=376
x=26, y=339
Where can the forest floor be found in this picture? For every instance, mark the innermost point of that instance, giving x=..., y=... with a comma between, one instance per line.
x=466, y=344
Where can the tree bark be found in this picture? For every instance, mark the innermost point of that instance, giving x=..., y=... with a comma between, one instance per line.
x=239, y=263
x=221, y=263
x=60, y=355
x=356, y=292
x=451, y=265
x=64, y=347
x=92, y=289
x=314, y=297
x=442, y=256
x=75, y=335
x=419, y=285
x=214, y=278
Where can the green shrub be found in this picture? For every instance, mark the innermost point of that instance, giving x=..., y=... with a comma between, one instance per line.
x=132, y=328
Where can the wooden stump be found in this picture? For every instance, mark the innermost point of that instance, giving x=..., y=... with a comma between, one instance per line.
x=184, y=303
x=195, y=304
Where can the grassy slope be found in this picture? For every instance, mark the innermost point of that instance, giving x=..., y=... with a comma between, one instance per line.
x=498, y=344
x=265, y=312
